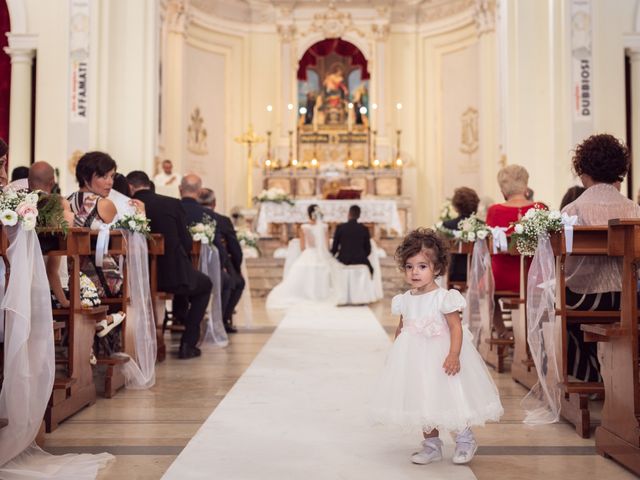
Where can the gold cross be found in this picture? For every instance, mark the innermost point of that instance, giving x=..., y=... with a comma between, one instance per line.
x=249, y=137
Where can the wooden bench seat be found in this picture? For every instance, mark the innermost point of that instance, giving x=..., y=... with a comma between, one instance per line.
x=618, y=435
x=156, y=249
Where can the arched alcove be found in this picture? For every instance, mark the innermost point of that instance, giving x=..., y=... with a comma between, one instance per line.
x=333, y=73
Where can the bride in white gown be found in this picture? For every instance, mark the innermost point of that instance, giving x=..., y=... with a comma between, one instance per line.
x=313, y=277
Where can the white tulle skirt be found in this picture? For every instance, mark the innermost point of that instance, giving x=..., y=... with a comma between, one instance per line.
x=414, y=390
x=312, y=279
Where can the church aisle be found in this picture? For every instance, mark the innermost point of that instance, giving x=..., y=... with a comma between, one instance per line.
x=147, y=430
x=299, y=411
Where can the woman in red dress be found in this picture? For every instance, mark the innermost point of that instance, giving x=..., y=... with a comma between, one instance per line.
x=513, y=181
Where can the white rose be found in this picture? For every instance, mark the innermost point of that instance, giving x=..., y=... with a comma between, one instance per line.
x=457, y=233
x=519, y=229
x=132, y=224
x=482, y=234
x=29, y=223
x=471, y=237
x=9, y=218
x=530, y=213
x=197, y=237
x=198, y=228
x=555, y=215
x=32, y=198
x=205, y=240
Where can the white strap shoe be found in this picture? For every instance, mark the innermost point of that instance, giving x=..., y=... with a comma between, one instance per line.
x=107, y=327
x=431, y=452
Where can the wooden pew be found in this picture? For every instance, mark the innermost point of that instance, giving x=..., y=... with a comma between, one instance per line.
x=523, y=368
x=493, y=349
x=73, y=387
x=587, y=241
x=459, y=248
x=156, y=249
x=112, y=377
x=618, y=436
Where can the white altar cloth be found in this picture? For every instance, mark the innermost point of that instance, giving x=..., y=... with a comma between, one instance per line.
x=383, y=212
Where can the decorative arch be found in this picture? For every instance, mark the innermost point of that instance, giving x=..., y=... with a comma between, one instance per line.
x=333, y=74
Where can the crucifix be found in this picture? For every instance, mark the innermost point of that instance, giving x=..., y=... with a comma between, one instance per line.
x=250, y=138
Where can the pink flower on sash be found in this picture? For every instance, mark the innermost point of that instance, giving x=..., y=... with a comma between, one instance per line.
x=426, y=326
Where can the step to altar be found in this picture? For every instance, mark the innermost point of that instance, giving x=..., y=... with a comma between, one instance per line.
x=265, y=273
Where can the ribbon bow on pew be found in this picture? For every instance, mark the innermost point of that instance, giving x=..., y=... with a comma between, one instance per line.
x=569, y=221
x=102, y=244
x=499, y=235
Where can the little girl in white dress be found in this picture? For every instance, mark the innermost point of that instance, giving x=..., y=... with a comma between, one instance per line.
x=434, y=377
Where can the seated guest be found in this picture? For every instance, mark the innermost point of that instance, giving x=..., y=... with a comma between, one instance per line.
x=352, y=242
x=513, y=181
x=571, y=194
x=594, y=283
x=121, y=198
x=233, y=262
x=19, y=178
x=190, y=186
x=42, y=177
x=176, y=274
x=465, y=201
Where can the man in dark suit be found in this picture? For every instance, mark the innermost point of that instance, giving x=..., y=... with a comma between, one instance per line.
x=190, y=186
x=232, y=263
x=352, y=242
x=175, y=271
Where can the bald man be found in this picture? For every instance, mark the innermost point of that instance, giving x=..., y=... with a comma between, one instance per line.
x=225, y=241
x=42, y=177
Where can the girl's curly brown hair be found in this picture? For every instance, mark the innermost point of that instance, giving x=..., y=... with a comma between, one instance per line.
x=603, y=157
x=427, y=241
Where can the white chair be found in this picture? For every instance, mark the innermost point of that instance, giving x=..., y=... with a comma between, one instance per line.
x=357, y=285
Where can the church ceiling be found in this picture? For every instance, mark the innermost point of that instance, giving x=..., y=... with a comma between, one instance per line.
x=398, y=11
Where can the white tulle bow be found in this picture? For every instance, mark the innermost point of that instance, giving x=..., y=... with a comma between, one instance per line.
x=568, y=221
x=499, y=235
x=102, y=244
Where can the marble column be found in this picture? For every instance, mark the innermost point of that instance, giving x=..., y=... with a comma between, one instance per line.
x=21, y=49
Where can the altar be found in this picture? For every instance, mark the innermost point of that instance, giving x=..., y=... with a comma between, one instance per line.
x=382, y=213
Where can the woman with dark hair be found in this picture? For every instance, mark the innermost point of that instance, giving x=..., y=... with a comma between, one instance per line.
x=570, y=195
x=465, y=201
x=310, y=276
x=594, y=283
x=95, y=172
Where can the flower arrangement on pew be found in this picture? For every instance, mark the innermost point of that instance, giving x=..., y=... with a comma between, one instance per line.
x=19, y=206
x=469, y=230
x=273, y=195
x=249, y=241
x=204, y=231
x=136, y=222
x=51, y=213
x=446, y=213
x=537, y=222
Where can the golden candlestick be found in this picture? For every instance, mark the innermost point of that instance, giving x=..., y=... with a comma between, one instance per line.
x=249, y=137
x=398, y=158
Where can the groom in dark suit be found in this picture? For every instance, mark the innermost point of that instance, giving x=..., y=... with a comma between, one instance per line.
x=352, y=242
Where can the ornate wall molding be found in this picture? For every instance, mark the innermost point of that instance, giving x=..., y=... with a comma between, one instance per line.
x=484, y=15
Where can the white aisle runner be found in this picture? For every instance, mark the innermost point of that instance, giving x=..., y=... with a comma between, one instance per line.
x=299, y=411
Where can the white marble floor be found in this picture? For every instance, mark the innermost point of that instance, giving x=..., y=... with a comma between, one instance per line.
x=299, y=411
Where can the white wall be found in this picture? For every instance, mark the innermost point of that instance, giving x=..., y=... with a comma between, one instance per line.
x=205, y=72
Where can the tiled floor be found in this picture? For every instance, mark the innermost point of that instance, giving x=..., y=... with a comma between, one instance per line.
x=147, y=429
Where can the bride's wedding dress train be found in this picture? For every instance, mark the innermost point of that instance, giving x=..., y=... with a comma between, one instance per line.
x=314, y=276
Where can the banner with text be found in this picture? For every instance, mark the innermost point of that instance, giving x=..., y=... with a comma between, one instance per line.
x=582, y=69
x=78, y=103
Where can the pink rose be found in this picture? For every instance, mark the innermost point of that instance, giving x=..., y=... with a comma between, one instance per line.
x=26, y=208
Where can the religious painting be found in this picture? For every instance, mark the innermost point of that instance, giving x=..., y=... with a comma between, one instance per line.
x=333, y=85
